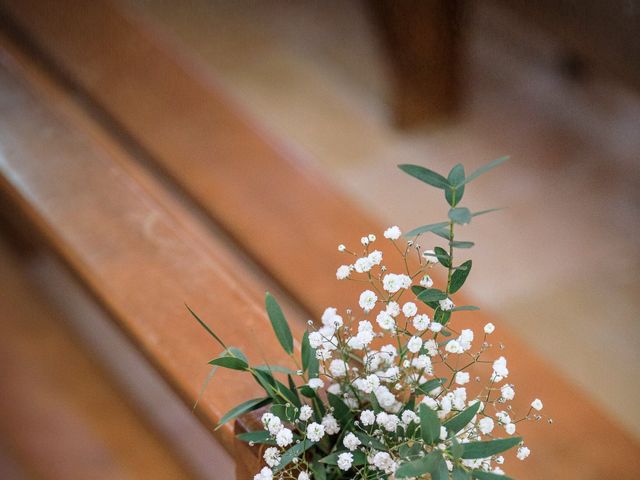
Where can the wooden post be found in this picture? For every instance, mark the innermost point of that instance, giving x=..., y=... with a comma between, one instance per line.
x=422, y=40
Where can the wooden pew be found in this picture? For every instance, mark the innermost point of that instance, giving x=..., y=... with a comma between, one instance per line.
x=276, y=209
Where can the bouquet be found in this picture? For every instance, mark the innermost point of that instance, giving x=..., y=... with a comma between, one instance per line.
x=392, y=388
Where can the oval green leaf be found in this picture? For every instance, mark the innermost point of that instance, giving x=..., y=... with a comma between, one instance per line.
x=279, y=323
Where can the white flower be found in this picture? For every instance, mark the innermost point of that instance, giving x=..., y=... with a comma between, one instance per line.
x=315, y=383
x=430, y=256
x=453, y=346
x=392, y=233
x=446, y=304
x=284, y=437
x=431, y=346
x=304, y=476
x=364, y=241
x=421, y=322
x=271, y=456
x=341, y=248
x=343, y=272
x=330, y=424
x=372, y=237
x=338, y=368
x=330, y=318
x=368, y=300
x=486, y=425
x=384, y=462
x=489, y=328
x=305, y=413
x=459, y=398
x=414, y=344
x=265, y=474
x=323, y=354
x=409, y=416
x=375, y=257
x=507, y=392
x=393, y=309
x=367, y=417
x=510, y=428
x=499, y=460
x=537, y=404
x=315, y=339
x=392, y=282
x=443, y=433
x=523, y=452
x=435, y=327
x=345, y=460
x=362, y=265
x=351, y=441
x=498, y=471
x=422, y=362
x=368, y=384
x=315, y=432
x=500, y=369
x=503, y=417
x=387, y=421
x=462, y=378
x=430, y=402
x=409, y=309
x=465, y=338
x=426, y=281
x=334, y=388
x=385, y=320
x=274, y=424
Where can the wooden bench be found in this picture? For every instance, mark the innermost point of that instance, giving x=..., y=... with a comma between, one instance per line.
x=130, y=164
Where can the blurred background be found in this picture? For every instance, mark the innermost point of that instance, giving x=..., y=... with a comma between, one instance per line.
x=353, y=88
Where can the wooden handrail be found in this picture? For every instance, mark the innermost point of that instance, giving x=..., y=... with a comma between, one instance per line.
x=234, y=173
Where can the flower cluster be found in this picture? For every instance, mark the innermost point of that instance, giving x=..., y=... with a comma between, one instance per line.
x=390, y=389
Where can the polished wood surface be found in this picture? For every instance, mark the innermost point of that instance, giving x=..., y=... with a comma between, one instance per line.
x=277, y=210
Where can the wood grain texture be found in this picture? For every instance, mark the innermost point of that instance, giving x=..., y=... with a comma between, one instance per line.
x=277, y=210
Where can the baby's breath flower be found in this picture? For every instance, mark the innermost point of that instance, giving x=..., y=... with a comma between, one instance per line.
x=351, y=442
x=345, y=460
x=343, y=272
x=265, y=474
x=367, y=417
x=368, y=300
x=409, y=309
x=485, y=425
x=315, y=432
x=462, y=378
x=426, y=282
x=305, y=413
x=430, y=256
x=489, y=328
x=523, y=452
x=392, y=233
x=271, y=456
x=315, y=383
x=537, y=404
x=341, y=248
x=284, y=437
x=446, y=304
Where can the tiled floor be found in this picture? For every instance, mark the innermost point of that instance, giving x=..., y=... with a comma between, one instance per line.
x=560, y=264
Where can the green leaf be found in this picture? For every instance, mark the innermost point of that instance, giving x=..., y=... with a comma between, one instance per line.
x=429, y=425
x=431, y=385
x=443, y=256
x=369, y=441
x=341, y=411
x=309, y=361
x=259, y=436
x=442, y=316
x=307, y=391
x=279, y=323
x=482, y=212
x=275, y=368
x=460, y=215
x=432, y=227
x=456, y=448
x=431, y=295
x=461, y=244
x=245, y=407
x=206, y=327
x=359, y=458
x=481, y=475
x=490, y=447
x=460, y=276
x=442, y=232
x=481, y=170
x=462, y=419
x=294, y=452
x=455, y=194
x=460, y=474
x=318, y=470
x=284, y=412
x=230, y=362
x=418, y=467
x=425, y=175
x=465, y=308
x=440, y=470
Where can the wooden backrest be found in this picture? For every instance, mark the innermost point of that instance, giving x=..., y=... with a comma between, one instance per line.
x=141, y=254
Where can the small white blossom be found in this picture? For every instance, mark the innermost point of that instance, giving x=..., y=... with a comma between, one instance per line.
x=421, y=322
x=284, y=437
x=271, y=456
x=265, y=474
x=462, y=378
x=523, y=452
x=435, y=327
x=315, y=383
x=330, y=424
x=489, y=328
x=430, y=256
x=426, y=282
x=351, y=442
x=446, y=304
x=343, y=272
x=392, y=282
x=345, y=460
x=371, y=237
x=341, y=248
x=274, y=424
x=409, y=309
x=414, y=344
x=423, y=362
x=368, y=300
x=338, y=368
x=375, y=257
x=367, y=417
x=305, y=413
x=503, y=417
x=315, y=432
x=431, y=346
x=409, y=416
x=364, y=241
x=453, y=346
x=304, y=476
x=510, y=428
x=500, y=369
x=507, y=392
x=537, y=404
x=363, y=265
x=392, y=233
x=384, y=462
x=385, y=320
x=486, y=425
x=393, y=309
x=315, y=339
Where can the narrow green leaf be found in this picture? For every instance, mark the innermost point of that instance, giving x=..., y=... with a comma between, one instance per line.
x=259, y=436
x=230, y=362
x=460, y=276
x=287, y=412
x=432, y=227
x=309, y=361
x=248, y=406
x=460, y=474
x=442, y=232
x=279, y=323
x=440, y=470
x=482, y=212
x=456, y=448
x=419, y=467
x=431, y=295
x=206, y=327
x=455, y=194
x=425, y=175
x=294, y=452
x=489, y=447
x=429, y=424
x=275, y=368
x=443, y=256
x=318, y=470
x=461, y=244
x=460, y=215
x=431, y=385
x=465, y=308
x=481, y=475
x=462, y=419
x=481, y=170
x=341, y=411
x=442, y=316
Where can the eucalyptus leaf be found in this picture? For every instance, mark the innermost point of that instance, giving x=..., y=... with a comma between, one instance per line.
x=443, y=256
x=429, y=425
x=483, y=212
x=432, y=227
x=460, y=276
x=462, y=419
x=259, y=436
x=279, y=323
x=244, y=407
x=460, y=215
x=489, y=447
x=454, y=194
x=461, y=244
x=465, y=308
x=206, y=327
x=230, y=362
x=318, y=470
x=425, y=175
x=481, y=170
x=431, y=385
x=275, y=368
x=431, y=295
x=482, y=475
x=294, y=452
x=341, y=411
x=419, y=467
x=460, y=474
x=369, y=441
